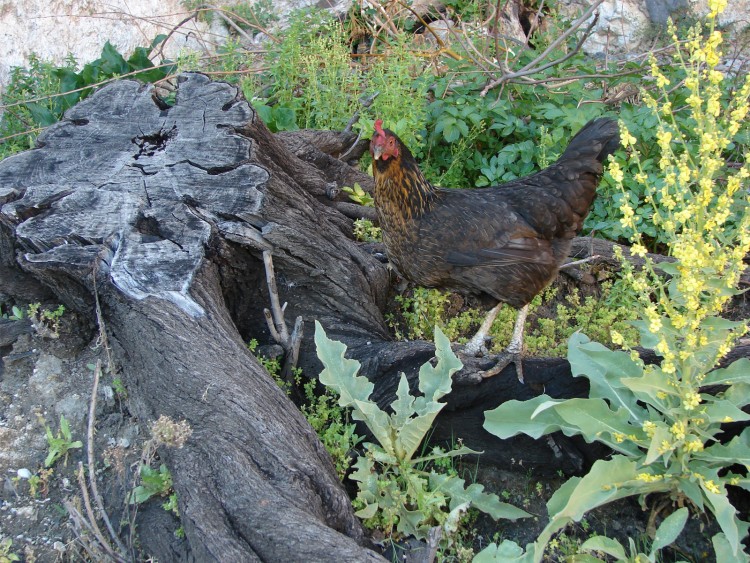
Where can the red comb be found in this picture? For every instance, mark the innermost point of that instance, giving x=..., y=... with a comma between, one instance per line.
x=379, y=127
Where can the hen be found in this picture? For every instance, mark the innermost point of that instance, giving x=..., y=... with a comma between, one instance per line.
x=506, y=241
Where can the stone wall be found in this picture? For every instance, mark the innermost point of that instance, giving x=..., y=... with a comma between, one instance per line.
x=53, y=29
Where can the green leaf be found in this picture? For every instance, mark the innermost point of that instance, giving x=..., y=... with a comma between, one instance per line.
x=403, y=406
x=736, y=451
x=435, y=382
x=591, y=418
x=605, y=370
x=340, y=373
x=507, y=552
x=606, y=545
x=41, y=114
x=112, y=61
x=413, y=431
x=669, y=529
x=736, y=372
x=661, y=434
x=608, y=480
x=726, y=517
x=724, y=552
x=489, y=503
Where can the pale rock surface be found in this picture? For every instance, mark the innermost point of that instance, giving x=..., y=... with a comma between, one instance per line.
x=53, y=29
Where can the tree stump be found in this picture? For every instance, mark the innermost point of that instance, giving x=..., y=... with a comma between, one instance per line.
x=153, y=219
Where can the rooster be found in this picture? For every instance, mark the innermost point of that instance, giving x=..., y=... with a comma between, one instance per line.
x=507, y=242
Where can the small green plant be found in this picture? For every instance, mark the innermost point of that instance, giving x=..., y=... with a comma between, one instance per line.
x=46, y=321
x=16, y=314
x=366, y=231
x=39, y=482
x=394, y=495
x=333, y=426
x=153, y=482
x=360, y=196
x=60, y=445
x=5, y=554
x=665, y=535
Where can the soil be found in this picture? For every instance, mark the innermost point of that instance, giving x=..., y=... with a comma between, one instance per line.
x=43, y=378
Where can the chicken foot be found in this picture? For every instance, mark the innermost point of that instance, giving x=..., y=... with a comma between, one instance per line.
x=514, y=350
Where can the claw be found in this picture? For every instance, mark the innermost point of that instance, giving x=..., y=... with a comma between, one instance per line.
x=503, y=360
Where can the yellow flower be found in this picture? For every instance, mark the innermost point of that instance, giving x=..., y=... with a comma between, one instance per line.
x=711, y=486
x=638, y=250
x=678, y=430
x=691, y=400
x=649, y=428
x=692, y=446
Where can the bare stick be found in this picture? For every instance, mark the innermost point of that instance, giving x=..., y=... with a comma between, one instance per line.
x=532, y=68
x=92, y=517
x=276, y=309
x=90, y=453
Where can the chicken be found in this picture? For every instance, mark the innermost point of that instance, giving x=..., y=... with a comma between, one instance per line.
x=506, y=241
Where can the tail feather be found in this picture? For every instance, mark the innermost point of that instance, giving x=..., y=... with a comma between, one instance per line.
x=597, y=139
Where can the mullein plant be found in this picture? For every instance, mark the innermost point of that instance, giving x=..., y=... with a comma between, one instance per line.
x=662, y=420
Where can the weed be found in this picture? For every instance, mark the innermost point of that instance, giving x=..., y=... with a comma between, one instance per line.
x=5, y=554
x=394, y=495
x=366, y=231
x=60, y=445
x=360, y=196
x=46, y=321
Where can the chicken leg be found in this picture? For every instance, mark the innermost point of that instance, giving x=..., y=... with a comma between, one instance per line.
x=514, y=350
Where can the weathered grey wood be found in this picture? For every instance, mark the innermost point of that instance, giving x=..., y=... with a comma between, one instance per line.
x=166, y=213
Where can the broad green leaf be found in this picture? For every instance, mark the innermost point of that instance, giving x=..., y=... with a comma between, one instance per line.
x=724, y=553
x=507, y=552
x=435, y=382
x=726, y=516
x=413, y=431
x=599, y=486
x=738, y=394
x=646, y=387
x=515, y=417
x=339, y=372
x=597, y=421
x=591, y=418
x=112, y=62
x=604, y=369
x=454, y=487
x=718, y=410
x=367, y=512
x=737, y=450
x=669, y=529
x=605, y=545
x=377, y=421
x=736, y=372
x=42, y=115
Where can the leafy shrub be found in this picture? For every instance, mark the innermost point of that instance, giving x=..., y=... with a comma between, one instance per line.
x=38, y=95
x=660, y=419
x=394, y=495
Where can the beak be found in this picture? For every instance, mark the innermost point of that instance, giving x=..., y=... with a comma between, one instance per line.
x=377, y=151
